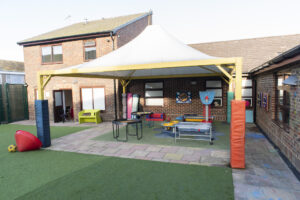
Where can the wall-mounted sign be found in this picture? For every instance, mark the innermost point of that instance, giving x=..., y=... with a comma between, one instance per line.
x=183, y=97
x=265, y=101
x=259, y=99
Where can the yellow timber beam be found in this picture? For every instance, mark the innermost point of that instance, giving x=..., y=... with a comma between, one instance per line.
x=41, y=83
x=178, y=76
x=87, y=76
x=46, y=80
x=224, y=71
x=124, y=84
x=176, y=64
x=238, y=78
x=225, y=80
x=208, y=69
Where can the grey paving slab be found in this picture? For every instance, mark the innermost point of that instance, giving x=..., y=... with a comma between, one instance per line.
x=266, y=175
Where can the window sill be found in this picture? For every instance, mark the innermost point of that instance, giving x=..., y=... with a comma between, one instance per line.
x=52, y=63
x=89, y=60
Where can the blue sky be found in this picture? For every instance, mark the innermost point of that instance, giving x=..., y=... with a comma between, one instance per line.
x=191, y=21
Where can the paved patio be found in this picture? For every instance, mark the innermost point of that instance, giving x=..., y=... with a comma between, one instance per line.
x=82, y=142
x=266, y=175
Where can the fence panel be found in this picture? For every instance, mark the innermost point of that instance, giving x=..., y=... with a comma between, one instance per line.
x=14, y=103
x=2, y=116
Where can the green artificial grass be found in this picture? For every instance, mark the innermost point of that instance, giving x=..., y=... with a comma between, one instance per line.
x=46, y=174
x=117, y=178
x=221, y=130
x=7, y=131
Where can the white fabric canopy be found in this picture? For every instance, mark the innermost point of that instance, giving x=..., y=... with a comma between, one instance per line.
x=153, y=45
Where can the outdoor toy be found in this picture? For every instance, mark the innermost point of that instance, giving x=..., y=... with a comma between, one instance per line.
x=26, y=141
x=12, y=148
x=129, y=105
x=207, y=98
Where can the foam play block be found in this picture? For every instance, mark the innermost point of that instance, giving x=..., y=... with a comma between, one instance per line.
x=237, y=134
x=26, y=141
x=129, y=105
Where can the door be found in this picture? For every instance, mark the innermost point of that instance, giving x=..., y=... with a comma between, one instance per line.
x=58, y=105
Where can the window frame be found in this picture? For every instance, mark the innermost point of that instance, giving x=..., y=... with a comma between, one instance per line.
x=155, y=97
x=216, y=97
x=284, y=107
x=83, y=44
x=51, y=46
x=248, y=97
x=92, y=87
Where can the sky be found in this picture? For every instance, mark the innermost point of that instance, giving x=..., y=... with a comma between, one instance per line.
x=191, y=21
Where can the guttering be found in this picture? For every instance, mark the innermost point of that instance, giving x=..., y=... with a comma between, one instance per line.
x=13, y=73
x=64, y=39
x=113, y=41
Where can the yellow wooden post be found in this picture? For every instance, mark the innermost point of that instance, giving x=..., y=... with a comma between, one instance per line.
x=124, y=85
x=40, y=83
x=238, y=78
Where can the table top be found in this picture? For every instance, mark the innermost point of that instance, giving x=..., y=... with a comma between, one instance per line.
x=124, y=121
x=197, y=117
x=192, y=126
x=141, y=113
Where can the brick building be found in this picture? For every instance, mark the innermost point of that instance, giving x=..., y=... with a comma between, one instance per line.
x=278, y=102
x=255, y=52
x=73, y=45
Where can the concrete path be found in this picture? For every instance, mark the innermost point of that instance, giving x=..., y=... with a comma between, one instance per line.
x=266, y=175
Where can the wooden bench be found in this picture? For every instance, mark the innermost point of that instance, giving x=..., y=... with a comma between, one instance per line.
x=89, y=116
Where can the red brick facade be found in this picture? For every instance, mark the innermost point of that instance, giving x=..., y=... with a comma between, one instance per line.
x=171, y=86
x=73, y=54
x=287, y=141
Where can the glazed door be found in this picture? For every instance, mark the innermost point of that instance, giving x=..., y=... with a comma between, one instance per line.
x=58, y=105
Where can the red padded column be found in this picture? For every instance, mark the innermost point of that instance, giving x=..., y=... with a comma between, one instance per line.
x=237, y=134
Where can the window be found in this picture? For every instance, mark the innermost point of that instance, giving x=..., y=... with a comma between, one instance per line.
x=247, y=92
x=282, y=105
x=215, y=86
x=93, y=98
x=154, y=94
x=89, y=50
x=52, y=54
x=15, y=79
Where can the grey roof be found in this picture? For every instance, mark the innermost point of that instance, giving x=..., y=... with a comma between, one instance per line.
x=91, y=27
x=255, y=51
x=11, y=66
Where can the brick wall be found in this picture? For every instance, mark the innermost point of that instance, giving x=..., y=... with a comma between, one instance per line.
x=287, y=142
x=73, y=54
x=129, y=32
x=171, y=86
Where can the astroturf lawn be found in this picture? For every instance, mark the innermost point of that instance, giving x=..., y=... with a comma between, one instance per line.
x=152, y=135
x=46, y=174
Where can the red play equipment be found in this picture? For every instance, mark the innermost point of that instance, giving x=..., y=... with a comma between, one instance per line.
x=26, y=141
x=156, y=117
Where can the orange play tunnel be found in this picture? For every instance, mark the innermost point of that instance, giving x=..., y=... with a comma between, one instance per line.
x=237, y=134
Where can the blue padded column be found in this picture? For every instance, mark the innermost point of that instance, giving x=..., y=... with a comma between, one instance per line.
x=42, y=122
x=230, y=96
